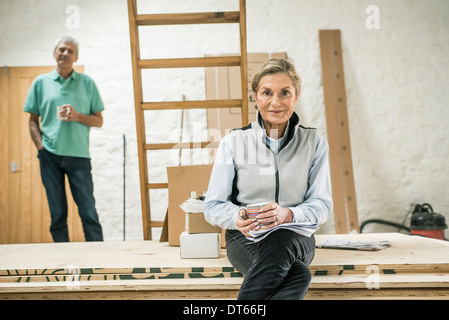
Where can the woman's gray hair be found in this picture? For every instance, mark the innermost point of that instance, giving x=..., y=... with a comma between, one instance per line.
x=68, y=39
x=274, y=66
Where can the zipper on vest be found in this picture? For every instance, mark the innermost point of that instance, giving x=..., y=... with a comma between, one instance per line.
x=276, y=174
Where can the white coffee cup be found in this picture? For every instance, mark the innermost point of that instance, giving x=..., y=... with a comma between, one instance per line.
x=62, y=112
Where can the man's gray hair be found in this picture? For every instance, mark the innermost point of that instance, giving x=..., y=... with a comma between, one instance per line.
x=68, y=39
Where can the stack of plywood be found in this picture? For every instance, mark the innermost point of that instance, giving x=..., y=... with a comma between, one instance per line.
x=414, y=267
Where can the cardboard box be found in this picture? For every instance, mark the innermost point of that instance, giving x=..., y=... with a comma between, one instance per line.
x=196, y=223
x=200, y=245
x=182, y=180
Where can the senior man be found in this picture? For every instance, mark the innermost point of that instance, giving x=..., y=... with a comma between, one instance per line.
x=68, y=104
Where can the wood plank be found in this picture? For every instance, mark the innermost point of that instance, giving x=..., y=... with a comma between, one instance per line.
x=189, y=62
x=72, y=277
x=140, y=118
x=412, y=254
x=28, y=150
x=362, y=281
x=216, y=288
x=120, y=269
x=244, y=62
x=385, y=294
x=4, y=155
x=198, y=104
x=187, y=18
x=181, y=145
x=157, y=185
x=408, y=254
x=15, y=216
x=156, y=224
x=342, y=175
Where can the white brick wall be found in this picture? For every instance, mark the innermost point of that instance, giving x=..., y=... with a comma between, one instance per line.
x=396, y=82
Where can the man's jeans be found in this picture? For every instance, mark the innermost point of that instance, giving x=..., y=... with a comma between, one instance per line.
x=78, y=170
x=274, y=268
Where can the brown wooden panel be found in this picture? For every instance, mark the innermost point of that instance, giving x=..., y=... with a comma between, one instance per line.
x=24, y=213
x=4, y=155
x=343, y=190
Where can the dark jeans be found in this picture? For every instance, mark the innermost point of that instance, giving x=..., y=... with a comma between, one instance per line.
x=78, y=170
x=274, y=268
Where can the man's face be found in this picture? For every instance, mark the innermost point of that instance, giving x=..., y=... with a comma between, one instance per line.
x=65, y=54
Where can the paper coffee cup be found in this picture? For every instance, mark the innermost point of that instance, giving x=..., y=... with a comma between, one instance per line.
x=62, y=112
x=253, y=212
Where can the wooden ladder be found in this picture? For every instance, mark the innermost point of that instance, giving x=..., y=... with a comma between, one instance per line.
x=136, y=20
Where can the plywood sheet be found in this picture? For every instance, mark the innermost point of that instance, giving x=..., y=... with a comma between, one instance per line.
x=414, y=267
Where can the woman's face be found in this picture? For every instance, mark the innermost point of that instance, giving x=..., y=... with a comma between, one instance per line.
x=276, y=98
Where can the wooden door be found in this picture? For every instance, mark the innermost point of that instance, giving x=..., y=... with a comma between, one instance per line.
x=24, y=213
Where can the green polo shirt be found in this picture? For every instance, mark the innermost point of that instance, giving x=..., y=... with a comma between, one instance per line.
x=49, y=91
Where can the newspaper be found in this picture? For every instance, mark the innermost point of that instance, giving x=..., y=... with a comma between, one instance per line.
x=336, y=243
x=305, y=229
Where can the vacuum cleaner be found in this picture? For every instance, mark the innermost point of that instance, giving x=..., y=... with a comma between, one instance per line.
x=424, y=222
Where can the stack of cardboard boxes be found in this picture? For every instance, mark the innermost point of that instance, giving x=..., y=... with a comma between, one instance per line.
x=200, y=239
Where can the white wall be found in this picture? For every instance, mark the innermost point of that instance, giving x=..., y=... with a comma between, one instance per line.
x=396, y=82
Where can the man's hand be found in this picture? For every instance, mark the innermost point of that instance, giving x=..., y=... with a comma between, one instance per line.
x=93, y=120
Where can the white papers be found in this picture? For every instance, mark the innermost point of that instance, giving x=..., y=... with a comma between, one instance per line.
x=336, y=243
x=305, y=229
x=192, y=205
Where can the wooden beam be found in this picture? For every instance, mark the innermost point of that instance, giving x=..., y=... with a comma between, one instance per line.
x=157, y=185
x=198, y=104
x=190, y=62
x=187, y=18
x=140, y=119
x=342, y=175
x=182, y=145
x=244, y=62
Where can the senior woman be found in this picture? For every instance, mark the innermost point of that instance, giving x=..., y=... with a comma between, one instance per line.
x=276, y=160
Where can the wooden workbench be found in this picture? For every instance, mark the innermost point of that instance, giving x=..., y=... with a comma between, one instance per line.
x=414, y=267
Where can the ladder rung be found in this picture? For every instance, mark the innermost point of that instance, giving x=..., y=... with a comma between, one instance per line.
x=190, y=62
x=181, y=145
x=187, y=18
x=156, y=224
x=157, y=185
x=198, y=104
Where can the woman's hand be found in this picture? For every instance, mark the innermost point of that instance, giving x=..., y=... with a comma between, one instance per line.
x=244, y=225
x=273, y=215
